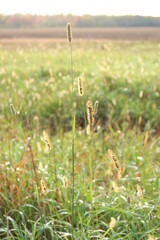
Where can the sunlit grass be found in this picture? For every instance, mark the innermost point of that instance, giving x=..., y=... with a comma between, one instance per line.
x=125, y=79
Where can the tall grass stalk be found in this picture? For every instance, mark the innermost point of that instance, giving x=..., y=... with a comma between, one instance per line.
x=84, y=113
x=90, y=119
x=69, y=35
x=92, y=170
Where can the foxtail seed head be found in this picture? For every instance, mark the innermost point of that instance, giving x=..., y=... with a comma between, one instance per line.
x=150, y=216
x=43, y=187
x=113, y=223
x=80, y=86
x=128, y=199
x=47, y=140
x=90, y=112
x=13, y=110
x=115, y=160
x=96, y=107
x=65, y=181
x=140, y=193
x=69, y=32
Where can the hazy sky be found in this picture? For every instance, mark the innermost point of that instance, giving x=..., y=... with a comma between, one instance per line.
x=108, y=7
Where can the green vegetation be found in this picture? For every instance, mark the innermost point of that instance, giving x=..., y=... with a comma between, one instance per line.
x=38, y=21
x=36, y=182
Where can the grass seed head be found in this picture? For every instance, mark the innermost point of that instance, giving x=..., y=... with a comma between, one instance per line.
x=150, y=215
x=113, y=223
x=65, y=182
x=128, y=199
x=96, y=107
x=69, y=32
x=80, y=86
x=140, y=194
x=13, y=110
x=47, y=140
x=90, y=112
x=43, y=187
x=115, y=160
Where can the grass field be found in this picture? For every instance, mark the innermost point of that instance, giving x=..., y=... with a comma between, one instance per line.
x=36, y=182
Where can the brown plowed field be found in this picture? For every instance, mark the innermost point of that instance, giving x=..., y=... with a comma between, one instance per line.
x=139, y=33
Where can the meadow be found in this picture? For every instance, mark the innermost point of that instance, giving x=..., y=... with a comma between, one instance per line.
x=36, y=140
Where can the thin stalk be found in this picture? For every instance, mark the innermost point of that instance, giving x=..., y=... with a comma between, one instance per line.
x=84, y=112
x=92, y=163
x=91, y=174
x=71, y=63
x=73, y=130
x=106, y=232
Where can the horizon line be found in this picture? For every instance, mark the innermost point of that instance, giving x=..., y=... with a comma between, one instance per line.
x=79, y=15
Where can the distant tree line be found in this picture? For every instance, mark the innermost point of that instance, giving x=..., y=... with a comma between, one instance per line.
x=37, y=21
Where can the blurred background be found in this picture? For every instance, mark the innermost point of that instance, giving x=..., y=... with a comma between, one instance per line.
x=103, y=19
